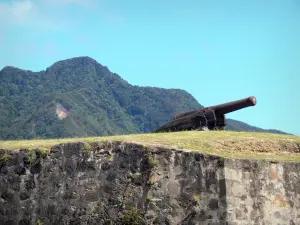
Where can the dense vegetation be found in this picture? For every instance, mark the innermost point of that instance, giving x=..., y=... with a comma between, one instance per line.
x=97, y=102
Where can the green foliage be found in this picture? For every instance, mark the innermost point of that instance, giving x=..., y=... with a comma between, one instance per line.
x=235, y=125
x=99, y=102
x=38, y=222
x=136, y=178
x=44, y=152
x=149, y=198
x=132, y=217
x=86, y=147
x=108, y=222
x=4, y=159
x=152, y=182
x=32, y=157
x=152, y=162
x=197, y=197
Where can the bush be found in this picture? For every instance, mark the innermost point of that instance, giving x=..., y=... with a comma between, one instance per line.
x=132, y=217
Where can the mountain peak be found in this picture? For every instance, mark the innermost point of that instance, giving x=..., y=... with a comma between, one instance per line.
x=78, y=61
x=9, y=68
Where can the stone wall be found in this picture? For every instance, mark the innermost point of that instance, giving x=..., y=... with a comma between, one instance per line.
x=259, y=192
x=122, y=183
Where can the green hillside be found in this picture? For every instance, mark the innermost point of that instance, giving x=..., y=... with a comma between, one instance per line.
x=97, y=101
x=79, y=97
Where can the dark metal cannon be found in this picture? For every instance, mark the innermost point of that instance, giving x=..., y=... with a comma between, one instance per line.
x=211, y=118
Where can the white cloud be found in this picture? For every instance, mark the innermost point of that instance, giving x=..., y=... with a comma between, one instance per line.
x=20, y=9
x=53, y=14
x=83, y=3
x=16, y=12
x=40, y=13
x=30, y=14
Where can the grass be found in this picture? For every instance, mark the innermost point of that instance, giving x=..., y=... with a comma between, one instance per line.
x=226, y=144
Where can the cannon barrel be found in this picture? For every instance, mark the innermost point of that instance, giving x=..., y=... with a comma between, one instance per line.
x=224, y=108
x=233, y=106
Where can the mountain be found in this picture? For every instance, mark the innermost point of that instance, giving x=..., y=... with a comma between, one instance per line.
x=80, y=97
x=236, y=125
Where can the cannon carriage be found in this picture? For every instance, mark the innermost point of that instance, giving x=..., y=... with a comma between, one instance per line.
x=208, y=118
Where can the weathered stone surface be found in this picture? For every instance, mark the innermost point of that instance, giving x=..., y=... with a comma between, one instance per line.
x=265, y=193
x=113, y=182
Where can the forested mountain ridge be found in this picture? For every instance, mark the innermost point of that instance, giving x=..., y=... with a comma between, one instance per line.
x=236, y=125
x=81, y=97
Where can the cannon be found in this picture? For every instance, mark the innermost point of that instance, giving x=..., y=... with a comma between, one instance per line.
x=208, y=118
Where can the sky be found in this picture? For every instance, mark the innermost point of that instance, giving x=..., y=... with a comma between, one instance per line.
x=218, y=51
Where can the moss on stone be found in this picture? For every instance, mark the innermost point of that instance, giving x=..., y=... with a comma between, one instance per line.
x=86, y=147
x=197, y=197
x=149, y=197
x=136, y=178
x=132, y=216
x=152, y=182
x=108, y=222
x=32, y=157
x=4, y=159
x=44, y=152
x=151, y=160
x=38, y=222
x=111, y=158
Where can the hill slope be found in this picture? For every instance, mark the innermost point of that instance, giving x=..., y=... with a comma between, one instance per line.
x=80, y=97
x=235, y=125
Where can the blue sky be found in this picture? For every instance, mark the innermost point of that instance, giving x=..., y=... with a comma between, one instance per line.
x=218, y=51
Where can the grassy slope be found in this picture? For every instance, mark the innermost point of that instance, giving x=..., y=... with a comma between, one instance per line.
x=227, y=144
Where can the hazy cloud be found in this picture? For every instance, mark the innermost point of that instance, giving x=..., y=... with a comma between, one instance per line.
x=28, y=14
x=53, y=14
x=37, y=19
x=17, y=12
x=46, y=14
x=21, y=8
x=83, y=3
